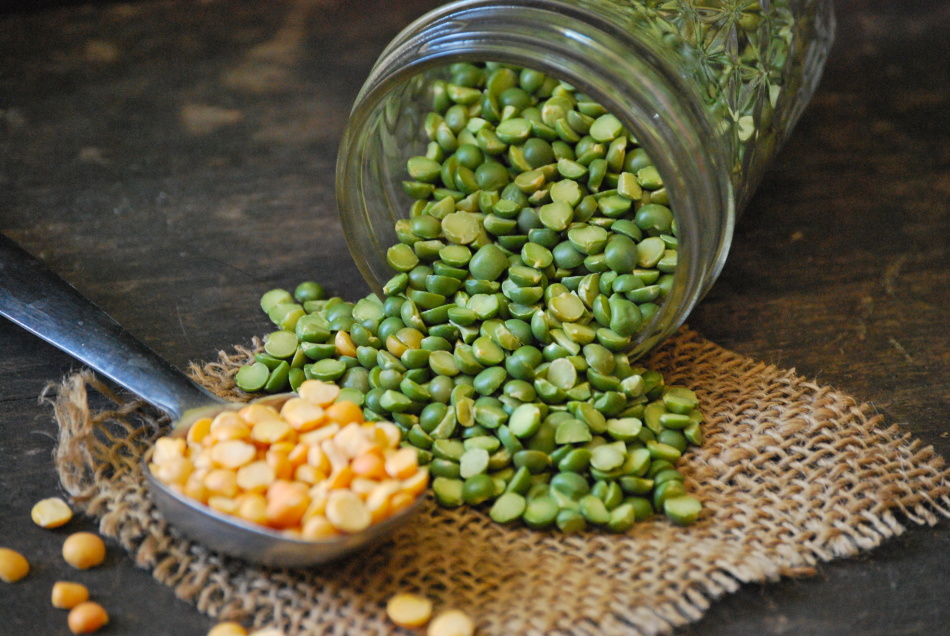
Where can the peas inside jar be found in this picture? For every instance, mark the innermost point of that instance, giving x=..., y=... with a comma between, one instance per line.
x=538, y=243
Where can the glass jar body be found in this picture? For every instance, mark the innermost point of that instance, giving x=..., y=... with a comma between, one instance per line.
x=709, y=88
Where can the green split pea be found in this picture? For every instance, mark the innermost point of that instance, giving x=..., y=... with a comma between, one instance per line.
x=538, y=245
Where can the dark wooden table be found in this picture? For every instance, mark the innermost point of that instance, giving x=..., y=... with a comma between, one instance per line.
x=173, y=160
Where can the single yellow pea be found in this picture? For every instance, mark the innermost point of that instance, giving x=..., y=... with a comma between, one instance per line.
x=13, y=565
x=51, y=513
x=84, y=550
x=320, y=393
x=228, y=628
x=67, y=595
x=451, y=622
x=403, y=463
x=347, y=512
x=409, y=610
x=86, y=618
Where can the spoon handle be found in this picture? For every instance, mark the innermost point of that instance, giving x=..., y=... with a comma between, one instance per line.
x=41, y=302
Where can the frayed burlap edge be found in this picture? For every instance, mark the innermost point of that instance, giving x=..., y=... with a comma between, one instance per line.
x=791, y=474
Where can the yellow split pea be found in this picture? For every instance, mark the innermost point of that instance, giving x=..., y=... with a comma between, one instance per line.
x=451, y=622
x=314, y=469
x=51, y=513
x=84, y=550
x=13, y=565
x=409, y=610
x=67, y=595
x=87, y=617
x=228, y=628
x=414, y=610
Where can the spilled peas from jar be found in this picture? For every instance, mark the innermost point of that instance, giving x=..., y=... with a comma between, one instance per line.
x=538, y=244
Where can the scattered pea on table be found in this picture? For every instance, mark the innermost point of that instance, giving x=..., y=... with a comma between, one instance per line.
x=84, y=550
x=87, y=617
x=409, y=610
x=228, y=628
x=13, y=565
x=67, y=595
x=51, y=513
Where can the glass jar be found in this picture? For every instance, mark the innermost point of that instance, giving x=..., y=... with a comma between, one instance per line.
x=709, y=88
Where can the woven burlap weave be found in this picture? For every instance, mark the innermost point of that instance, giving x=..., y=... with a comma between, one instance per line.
x=791, y=474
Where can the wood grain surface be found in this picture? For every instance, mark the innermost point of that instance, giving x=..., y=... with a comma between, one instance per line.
x=175, y=159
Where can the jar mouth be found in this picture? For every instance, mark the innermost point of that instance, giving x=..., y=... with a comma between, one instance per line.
x=590, y=52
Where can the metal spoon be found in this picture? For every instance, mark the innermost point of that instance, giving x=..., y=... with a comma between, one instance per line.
x=38, y=300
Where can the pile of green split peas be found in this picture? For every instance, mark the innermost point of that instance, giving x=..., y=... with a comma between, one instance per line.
x=539, y=243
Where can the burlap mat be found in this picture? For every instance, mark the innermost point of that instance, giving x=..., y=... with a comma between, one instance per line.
x=791, y=474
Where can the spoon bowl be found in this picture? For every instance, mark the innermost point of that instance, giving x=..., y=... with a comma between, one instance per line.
x=258, y=544
x=38, y=300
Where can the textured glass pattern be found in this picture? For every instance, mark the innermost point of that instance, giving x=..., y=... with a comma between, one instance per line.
x=745, y=60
